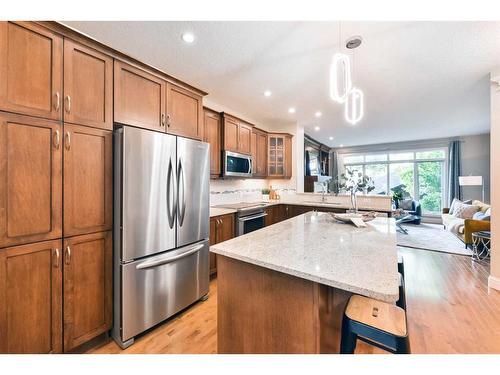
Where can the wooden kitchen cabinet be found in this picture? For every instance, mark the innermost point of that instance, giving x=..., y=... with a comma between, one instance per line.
x=88, y=86
x=237, y=135
x=184, y=112
x=87, y=293
x=221, y=229
x=30, y=179
x=212, y=135
x=88, y=180
x=280, y=155
x=139, y=97
x=31, y=66
x=259, y=153
x=30, y=294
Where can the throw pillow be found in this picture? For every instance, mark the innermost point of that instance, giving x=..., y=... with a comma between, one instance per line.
x=455, y=201
x=464, y=211
x=406, y=204
x=483, y=215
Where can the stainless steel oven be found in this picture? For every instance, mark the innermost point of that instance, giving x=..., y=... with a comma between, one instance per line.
x=237, y=165
x=248, y=220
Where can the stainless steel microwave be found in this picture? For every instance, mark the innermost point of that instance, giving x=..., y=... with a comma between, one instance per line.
x=237, y=165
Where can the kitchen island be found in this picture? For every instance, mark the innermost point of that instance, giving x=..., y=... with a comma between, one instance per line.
x=283, y=289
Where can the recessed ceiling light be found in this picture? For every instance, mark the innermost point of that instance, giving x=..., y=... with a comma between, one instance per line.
x=267, y=93
x=331, y=138
x=318, y=114
x=291, y=110
x=316, y=128
x=188, y=37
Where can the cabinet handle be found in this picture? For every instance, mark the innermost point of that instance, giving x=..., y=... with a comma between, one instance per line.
x=56, y=264
x=168, y=120
x=57, y=102
x=56, y=140
x=67, y=257
x=163, y=119
x=68, y=103
x=67, y=142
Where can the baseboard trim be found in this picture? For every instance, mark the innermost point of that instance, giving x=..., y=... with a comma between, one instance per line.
x=493, y=282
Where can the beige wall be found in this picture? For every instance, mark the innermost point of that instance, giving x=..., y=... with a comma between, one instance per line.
x=494, y=280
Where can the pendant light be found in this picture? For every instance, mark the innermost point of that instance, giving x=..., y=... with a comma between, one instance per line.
x=354, y=106
x=340, y=74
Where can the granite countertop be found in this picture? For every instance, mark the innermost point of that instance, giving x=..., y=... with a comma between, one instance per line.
x=217, y=211
x=316, y=247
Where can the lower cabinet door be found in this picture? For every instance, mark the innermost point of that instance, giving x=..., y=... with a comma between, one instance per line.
x=87, y=292
x=30, y=298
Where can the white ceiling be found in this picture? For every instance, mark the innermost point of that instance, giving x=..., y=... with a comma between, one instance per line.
x=421, y=79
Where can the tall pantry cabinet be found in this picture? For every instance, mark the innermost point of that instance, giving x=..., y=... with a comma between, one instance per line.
x=56, y=108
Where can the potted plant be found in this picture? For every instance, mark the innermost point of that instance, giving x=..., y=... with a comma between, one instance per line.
x=353, y=181
x=265, y=194
x=398, y=194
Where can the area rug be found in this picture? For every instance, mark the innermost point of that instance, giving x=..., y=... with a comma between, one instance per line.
x=431, y=237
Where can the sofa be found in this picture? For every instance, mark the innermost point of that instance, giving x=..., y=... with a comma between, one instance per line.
x=466, y=226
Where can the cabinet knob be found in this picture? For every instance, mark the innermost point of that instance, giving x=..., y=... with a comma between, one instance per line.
x=163, y=119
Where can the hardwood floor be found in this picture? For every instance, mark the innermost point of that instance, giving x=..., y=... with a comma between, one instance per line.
x=448, y=306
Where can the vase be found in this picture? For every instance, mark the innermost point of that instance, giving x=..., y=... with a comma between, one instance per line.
x=354, y=203
x=265, y=197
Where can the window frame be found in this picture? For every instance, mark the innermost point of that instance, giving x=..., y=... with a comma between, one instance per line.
x=414, y=161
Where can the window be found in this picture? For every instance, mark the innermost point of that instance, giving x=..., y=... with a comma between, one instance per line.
x=423, y=172
x=378, y=173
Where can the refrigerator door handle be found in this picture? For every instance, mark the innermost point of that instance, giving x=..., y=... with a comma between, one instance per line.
x=171, y=259
x=181, y=179
x=170, y=210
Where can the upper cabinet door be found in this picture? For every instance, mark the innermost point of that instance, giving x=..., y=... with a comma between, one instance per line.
x=231, y=127
x=88, y=86
x=245, y=139
x=30, y=295
x=262, y=151
x=139, y=97
x=184, y=112
x=288, y=157
x=212, y=135
x=30, y=70
x=255, y=154
x=30, y=179
x=88, y=180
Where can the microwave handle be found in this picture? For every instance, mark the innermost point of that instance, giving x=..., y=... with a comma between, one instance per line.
x=250, y=165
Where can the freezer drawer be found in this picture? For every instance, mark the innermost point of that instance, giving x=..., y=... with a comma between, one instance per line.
x=159, y=286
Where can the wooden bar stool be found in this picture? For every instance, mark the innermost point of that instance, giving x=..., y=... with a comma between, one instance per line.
x=377, y=323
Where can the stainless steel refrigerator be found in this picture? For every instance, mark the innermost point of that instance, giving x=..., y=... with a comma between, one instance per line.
x=161, y=228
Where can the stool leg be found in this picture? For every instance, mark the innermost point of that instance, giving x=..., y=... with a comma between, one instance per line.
x=348, y=338
x=402, y=295
x=403, y=345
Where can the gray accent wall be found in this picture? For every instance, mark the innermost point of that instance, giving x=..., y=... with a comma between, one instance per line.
x=475, y=161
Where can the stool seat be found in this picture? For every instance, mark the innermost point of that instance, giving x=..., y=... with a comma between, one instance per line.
x=381, y=315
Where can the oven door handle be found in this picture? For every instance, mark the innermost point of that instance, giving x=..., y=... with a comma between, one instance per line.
x=246, y=218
